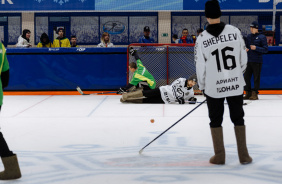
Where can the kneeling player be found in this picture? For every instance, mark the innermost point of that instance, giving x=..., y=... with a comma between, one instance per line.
x=141, y=76
x=180, y=90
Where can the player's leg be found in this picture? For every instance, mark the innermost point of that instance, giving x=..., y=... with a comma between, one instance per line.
x=153, y=96
x=256, y=72
x=248, y=76
x=216, y=110
x=144, y=85
x=235, y=104
x=139, y=94
x=9, y=160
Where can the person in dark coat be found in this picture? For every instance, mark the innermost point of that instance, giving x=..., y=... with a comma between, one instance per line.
x=256, y=44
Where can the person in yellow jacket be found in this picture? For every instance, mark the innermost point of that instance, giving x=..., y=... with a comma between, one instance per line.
x=61, y=40
x=9, y=159
x=44, y=41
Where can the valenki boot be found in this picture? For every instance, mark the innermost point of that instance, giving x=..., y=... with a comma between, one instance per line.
x=244, y=157
x=218, y=145
x=12, y=169
x=132, y=95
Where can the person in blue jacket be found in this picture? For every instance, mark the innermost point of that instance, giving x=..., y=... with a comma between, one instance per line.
x=146, y=38
x=256, y=44
x=185, y=38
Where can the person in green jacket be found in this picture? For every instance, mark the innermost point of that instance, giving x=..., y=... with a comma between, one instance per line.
x=9, y=159
x=141, y=78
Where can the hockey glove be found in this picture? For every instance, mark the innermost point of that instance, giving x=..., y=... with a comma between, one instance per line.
x=181, y=100
x=192, y=100
x=132, y=51
x=121, y=90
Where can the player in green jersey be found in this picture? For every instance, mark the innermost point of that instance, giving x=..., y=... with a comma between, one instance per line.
x=9, y=159
x=141, y=76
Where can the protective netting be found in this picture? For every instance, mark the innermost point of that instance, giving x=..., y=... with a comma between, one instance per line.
x=166, y=62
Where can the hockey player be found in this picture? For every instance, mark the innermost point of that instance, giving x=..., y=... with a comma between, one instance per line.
x=221, y=58
x=9, y=159
x=179, y=91
x=141, y=76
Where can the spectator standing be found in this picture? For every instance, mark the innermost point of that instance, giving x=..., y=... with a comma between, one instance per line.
x=211, y=60
x=61, y=40
x=23, y=40
x=175, y=38
x=44, y=41
x=256, y=47
x=146, y=38
x=9, y=159
x=186, y=38
x=105, y=41
x=73, y=41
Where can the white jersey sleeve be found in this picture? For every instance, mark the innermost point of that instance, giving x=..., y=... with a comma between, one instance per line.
x=171, y=93
x=200, y=65
x=220, y=62
x=244, y=55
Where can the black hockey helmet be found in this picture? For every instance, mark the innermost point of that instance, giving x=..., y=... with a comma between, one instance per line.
x=193, y=78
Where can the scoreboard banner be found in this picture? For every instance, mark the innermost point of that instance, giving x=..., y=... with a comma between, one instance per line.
x=40, y=5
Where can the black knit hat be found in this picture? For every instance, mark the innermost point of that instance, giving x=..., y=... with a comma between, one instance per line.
x=212, y=9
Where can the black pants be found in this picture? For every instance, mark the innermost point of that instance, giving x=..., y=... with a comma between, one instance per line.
x=254, y=69
x=4, y=149
x=153, y=96
x=216, y=110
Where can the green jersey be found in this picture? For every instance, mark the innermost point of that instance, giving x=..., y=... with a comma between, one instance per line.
x=4, y=66
x=142, y=74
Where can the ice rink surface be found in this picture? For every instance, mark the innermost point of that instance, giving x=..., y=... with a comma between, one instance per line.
x=96, y=139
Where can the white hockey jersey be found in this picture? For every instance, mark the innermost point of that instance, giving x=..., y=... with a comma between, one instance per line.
x=220, y=62
x=170, y=93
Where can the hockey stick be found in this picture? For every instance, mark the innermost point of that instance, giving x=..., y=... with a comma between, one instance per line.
x=246, y=103
x=140, y=152
x=82, y=93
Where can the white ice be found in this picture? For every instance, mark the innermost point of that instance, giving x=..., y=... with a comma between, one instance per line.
x=96, y=140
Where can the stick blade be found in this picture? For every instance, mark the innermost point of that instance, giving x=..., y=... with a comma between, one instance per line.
x=140, y=152
x=79, y=90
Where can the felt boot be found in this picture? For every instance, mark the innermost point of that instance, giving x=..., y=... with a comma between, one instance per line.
x=132, y=95
x=11, y=168
x=244, y=157
x=218, y=145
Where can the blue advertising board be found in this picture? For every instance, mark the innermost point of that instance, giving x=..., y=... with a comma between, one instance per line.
x=37, y=5
x=103, y=5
